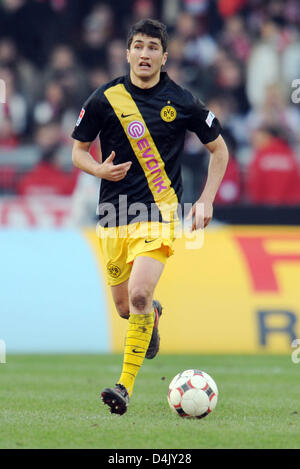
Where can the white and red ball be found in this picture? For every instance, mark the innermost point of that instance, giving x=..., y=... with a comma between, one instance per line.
x=192, y=393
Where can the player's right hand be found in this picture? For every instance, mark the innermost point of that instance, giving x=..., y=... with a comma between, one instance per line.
x=113, y=172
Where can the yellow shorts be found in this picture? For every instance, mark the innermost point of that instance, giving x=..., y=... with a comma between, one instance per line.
x=120, y=245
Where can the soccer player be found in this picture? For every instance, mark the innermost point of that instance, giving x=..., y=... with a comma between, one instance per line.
x=142, y=119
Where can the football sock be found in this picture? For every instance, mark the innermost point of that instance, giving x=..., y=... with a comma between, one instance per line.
x=138, y=337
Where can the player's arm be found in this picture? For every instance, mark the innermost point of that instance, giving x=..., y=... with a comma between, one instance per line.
x=202, y=214
x=87, y=128
x=107, y=170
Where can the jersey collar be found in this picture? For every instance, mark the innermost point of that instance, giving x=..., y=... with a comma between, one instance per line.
x=148, y=91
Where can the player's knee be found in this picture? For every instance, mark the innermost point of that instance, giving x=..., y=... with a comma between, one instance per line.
x=139, y=302
x=139, y=298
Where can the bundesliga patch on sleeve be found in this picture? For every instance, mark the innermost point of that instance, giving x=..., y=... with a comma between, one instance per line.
x=210, y=118
x=80, y=117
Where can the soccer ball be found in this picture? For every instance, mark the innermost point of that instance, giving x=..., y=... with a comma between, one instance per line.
x=192, y=393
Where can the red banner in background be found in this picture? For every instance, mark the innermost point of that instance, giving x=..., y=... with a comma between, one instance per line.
x=261, y=262
x=239, y=293
x=42, y=211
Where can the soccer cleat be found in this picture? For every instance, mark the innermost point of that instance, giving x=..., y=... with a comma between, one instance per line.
x=155, y=340
x=116, y=398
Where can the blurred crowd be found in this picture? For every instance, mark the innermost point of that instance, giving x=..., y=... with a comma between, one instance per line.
x=241, y=57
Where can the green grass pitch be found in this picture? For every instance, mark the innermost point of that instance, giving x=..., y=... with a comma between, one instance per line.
x=52, y=401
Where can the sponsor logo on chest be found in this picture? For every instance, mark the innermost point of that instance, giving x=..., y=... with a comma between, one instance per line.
x=152, y=164
x=136, y=130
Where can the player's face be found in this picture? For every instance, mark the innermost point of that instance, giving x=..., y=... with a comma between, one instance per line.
x=146, y=56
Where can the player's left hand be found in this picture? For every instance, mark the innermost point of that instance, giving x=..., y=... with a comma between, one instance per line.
x=201, y=213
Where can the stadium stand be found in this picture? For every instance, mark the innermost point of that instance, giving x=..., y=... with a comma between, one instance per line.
x=238, y=56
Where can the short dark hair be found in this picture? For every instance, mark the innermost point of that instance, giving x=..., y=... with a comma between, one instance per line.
x=151, y=28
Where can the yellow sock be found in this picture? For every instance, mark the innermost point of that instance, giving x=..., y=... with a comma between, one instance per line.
x=138, y=337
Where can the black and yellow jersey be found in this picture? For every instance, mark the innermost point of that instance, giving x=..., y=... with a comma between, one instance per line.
x=147, y=127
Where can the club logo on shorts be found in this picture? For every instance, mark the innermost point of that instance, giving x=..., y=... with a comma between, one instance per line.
x=168, y=113
x=136, y=129
x=113, y=270
x=80, y=117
